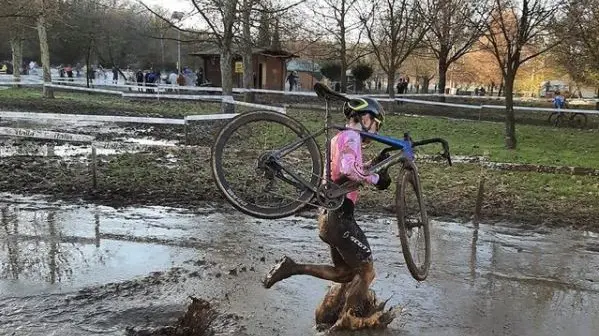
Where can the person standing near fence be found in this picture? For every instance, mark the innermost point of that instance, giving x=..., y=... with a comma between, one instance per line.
x=115, y=74
x=139, y=76
x=69, y=71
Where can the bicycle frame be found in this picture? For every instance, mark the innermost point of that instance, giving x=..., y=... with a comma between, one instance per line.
x=405, y=147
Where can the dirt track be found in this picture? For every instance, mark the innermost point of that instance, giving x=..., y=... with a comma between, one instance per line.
x=87, y=270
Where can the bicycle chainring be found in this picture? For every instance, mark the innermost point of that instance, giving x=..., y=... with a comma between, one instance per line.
x=325, y=201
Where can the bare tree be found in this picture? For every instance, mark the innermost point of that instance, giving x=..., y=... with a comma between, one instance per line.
x=455, y=26
x=40, y=10
x=220, y=16
x=579, y=33
x=247, y=45
x=14, y=9
x=518, y=31
x=395, y=29
x=16, y=29
x=340, y=21
x=44, y=8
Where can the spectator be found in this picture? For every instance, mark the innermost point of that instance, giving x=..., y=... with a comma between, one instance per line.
x=139, y=76
x=405, y=83
x=172, y=79
x=150, y=78
x=78, y=70
x=292, y=79
x=115, y=74
x=69, y=71
x=181, y=80
x=200, y=77
x=400, y=86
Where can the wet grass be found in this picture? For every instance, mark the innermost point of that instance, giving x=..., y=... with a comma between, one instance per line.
x=182, y=178
x=28, y=99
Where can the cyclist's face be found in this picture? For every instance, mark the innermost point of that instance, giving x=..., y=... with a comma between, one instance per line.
x=371, y=125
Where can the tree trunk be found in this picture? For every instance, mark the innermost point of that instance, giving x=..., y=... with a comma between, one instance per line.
x=425, y=83
x=16, y=45
x=226, y=68
x=343, y=74
x=88, y=56
x=248, y=64
x=442, y=66
x=343, y=52
x=390, y=82
x=510, y=120
x=45, y=56
x=248, y=76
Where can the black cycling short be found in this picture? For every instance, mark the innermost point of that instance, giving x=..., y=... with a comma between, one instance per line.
x=339, y=229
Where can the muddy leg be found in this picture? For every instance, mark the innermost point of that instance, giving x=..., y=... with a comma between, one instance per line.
x=288, y=267
x=357, y=290
x=328, y=310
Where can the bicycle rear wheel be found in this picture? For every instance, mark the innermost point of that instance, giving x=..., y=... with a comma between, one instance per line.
x=412, y=222
x=254, y=186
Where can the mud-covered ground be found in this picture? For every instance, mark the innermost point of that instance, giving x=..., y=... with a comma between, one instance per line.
x=95, y=270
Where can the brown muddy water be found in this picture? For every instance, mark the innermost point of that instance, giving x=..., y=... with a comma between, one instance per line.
x=81, y=269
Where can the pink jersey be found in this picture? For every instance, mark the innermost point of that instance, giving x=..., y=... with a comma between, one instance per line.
x=346, y=160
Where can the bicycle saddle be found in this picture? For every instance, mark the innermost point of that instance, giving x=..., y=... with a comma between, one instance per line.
x=323, y=91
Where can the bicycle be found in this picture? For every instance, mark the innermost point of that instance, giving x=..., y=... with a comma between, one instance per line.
x=269, y=172
x=557, y=118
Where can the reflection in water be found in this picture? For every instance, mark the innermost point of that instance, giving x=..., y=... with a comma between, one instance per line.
x=97, y=227
x=473, y=252
x=13, y=267
x=34, y=246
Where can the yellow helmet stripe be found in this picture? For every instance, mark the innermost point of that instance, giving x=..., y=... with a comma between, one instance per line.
x=363, y=104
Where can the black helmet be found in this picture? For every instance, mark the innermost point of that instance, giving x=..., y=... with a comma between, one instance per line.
x=359, y=106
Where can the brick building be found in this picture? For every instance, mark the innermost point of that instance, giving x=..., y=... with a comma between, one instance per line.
x=269, y=67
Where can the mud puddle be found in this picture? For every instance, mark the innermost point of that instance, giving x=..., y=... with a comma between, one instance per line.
x=11, y=147
x=136, y=268
x=104, y=131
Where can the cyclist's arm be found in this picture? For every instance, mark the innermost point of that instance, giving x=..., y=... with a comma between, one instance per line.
x=351, y=166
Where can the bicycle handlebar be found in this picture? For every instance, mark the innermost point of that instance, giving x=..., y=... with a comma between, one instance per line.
x=443, y=142
x=445, y=154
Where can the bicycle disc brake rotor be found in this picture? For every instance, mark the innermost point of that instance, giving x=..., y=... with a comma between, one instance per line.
x=323, y=198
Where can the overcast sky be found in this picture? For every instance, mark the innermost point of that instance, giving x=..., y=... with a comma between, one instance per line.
x=171, y=5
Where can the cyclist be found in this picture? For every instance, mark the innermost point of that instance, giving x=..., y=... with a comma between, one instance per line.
x=350, y=251
x=559, y=101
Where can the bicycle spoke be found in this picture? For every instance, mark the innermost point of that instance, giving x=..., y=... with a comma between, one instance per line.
x=249, y=173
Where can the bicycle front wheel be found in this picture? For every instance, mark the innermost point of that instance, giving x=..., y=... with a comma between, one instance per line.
x=413, y=224
x=265, y=188
x=555, y=119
